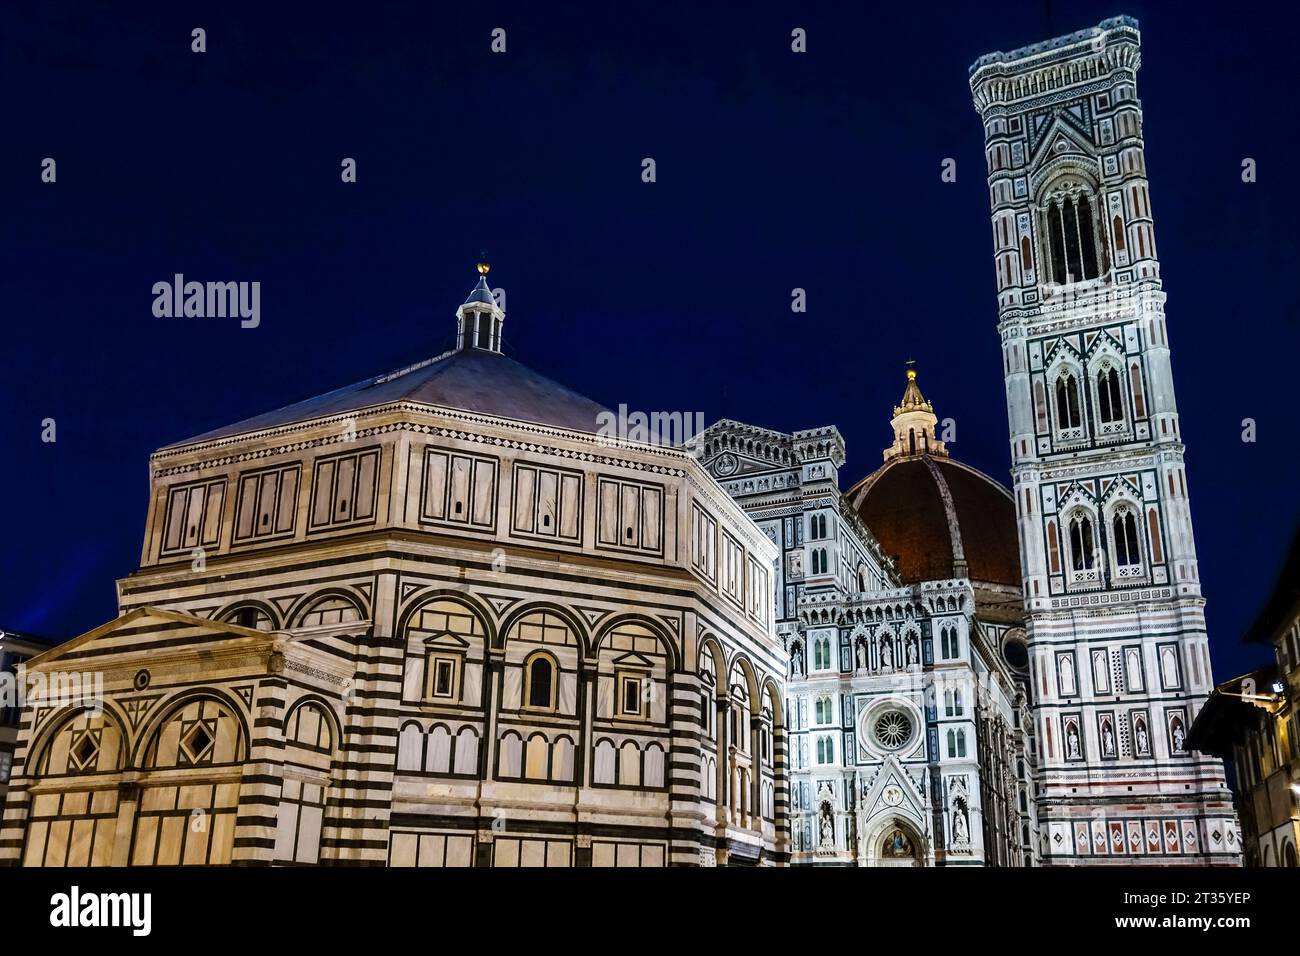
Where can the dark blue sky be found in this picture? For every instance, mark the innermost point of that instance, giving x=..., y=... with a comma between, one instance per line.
x=774, y=171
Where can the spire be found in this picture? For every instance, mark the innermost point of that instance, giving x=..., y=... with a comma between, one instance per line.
x=914, y=423
x=479, y=319
x=912, y=397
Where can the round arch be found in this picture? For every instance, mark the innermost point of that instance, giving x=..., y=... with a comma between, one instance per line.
x=227, y=613
x=641, y=620
x=711, y=641
x=308, y=601
x=42, y=739
x=336, y=726
x=178, y=700
x=470, y=602
x=771, y=690
x=741, y=662
x=884, y=846
x=1045, y=178
x=575, y=624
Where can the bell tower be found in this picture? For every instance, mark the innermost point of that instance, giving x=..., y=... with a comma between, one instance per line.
x=1118, y=647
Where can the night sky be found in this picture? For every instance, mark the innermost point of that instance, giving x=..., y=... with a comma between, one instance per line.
x=775, y=171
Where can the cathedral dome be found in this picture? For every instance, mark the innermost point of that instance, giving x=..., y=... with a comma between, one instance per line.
x=939, y=518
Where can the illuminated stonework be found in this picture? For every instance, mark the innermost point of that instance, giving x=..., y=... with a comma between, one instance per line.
x=1111, y=582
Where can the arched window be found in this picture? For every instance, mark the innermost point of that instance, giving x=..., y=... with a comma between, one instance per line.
x=250, y=616
x=961, y=743
x=540, y=673
x=1053, y=548
x=943, y=644
x=911, y=440
x=330, y=610
x=952, y=743
x=1117, y=228
x=1067, y=402
x=1110, y=406
x=950, y=644
x=1124, y=528
x=956, y=704
x=822, y=653
x=1070, y=234
x=947, y=703
x=708, y=681
x=1081, y=543
x=1054, y=233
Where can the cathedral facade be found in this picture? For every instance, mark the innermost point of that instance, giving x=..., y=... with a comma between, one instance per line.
x=1111, y=582
x=910, y=741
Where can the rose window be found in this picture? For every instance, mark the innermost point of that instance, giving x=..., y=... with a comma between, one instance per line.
x=893, y=729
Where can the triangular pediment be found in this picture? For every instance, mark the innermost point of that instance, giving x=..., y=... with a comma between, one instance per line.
x=638, y=661
x=893, y=791
x=143, y=619
x=1065, y=135
x=448, y=640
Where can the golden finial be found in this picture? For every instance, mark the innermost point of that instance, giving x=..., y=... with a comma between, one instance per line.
x=911, y=372
x=483, y=268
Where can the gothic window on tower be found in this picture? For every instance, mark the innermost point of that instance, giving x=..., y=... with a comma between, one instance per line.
x=1082, y=548
x=1124, y=538
x=1110, y=401
x=1069, y=414
x=1071, y=234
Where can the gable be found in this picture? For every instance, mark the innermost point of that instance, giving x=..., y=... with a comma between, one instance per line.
x=149, y=627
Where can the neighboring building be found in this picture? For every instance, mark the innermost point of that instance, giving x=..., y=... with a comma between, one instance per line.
x=430, y=619
x=15, y=649
x=1253, y=721
x=1111, y=581
x=898, y=605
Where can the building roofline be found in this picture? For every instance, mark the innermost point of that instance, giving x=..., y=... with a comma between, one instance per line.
x=1056, y=43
